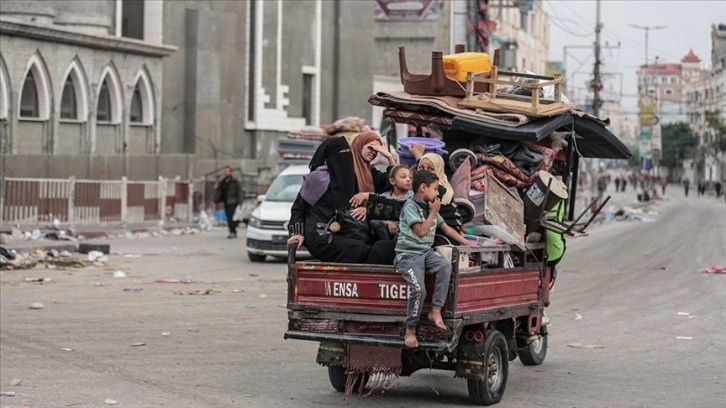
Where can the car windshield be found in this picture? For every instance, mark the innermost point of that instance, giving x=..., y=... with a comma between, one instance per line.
x=285, y=188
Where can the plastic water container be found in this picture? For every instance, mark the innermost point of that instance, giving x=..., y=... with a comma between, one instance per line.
x=456, y=66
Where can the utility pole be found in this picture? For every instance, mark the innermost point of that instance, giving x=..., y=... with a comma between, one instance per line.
x=596, y=84
x=646, y=29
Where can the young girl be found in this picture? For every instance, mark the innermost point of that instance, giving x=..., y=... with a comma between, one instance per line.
x=400, y=180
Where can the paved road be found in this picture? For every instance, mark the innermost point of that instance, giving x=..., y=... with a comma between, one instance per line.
x=621, y=288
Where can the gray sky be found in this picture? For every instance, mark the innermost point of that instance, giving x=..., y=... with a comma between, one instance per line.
x=688, y=25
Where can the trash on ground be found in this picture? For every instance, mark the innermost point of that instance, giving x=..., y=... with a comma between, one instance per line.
x=585, y=346
x=578, y=316
x=683, y=314
x=38, y=280
x=254, y=274
x=68, y=349
x=98, y=284
x=15, y=382
x=132, y=256
x=135, y=290
x=165, y=334
x=235, y=290
x=94, y=255
x=109, y=401
x=714, y=269
x=262, y=296
x=185, y=280
x=7, y=393
x=684, y=338
x=139, y=344
x=119, y=274
x=36, y=306
x=197, y=292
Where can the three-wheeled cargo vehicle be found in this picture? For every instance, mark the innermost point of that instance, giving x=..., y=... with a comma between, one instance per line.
x=497, y=294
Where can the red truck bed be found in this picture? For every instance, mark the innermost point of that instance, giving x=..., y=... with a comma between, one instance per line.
x=329, y=301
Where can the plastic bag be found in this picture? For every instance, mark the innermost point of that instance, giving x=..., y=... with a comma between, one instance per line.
x=239, y=214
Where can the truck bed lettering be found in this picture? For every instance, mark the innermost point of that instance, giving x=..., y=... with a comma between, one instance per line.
x=341, y=289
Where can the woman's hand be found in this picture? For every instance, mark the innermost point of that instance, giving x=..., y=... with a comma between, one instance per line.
x=417, y=150
x=359, y=199
x=359, y=213
x=299, y=238
x=382, y=150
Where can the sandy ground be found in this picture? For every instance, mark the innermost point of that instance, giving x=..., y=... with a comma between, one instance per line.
x=634, y=289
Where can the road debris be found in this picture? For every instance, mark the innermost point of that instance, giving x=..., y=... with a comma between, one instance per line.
x=165, y=334
x=683, y=314
x=109, y=401
x=578, y=316
x=684, y=338
x=15, y=382
x=7, y=394
x=119, y=274
x=186, y=280
x=714, y=269
x=134, y=290
x=68, y=349
x=196, y=292
x=585, y=346
x=139, y=344
x=36, y=306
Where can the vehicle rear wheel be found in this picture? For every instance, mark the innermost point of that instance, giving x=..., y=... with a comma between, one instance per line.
x=256, y=257
x=338, y=378
x=496, y=369
x=535, y=352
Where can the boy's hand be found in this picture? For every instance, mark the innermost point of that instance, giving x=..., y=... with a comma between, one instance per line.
x=435, y=206
x=392, y=228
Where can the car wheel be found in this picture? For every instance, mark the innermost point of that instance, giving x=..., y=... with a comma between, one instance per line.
x=256, y=257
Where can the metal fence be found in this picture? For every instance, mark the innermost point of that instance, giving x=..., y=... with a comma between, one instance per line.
x=71, y=201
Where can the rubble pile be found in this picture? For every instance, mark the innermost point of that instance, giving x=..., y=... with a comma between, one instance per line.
x=51, y=259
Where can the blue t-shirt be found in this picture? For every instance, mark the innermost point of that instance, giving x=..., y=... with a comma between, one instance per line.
x=413, y=212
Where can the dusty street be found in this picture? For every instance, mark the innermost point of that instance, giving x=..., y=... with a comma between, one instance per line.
x=632, y=289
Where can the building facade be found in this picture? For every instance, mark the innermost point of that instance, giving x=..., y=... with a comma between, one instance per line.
x=79, y=80
x=706, y=92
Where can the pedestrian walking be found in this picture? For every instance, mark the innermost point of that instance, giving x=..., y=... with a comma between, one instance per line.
x=663, y=184
x=686, y=184
x=229, y=193
x=718, y=188
x=617, y=184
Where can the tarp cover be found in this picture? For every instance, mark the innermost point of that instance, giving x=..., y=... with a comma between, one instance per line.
x=593, y=138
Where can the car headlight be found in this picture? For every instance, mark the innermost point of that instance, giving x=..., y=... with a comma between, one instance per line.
x=255, y=222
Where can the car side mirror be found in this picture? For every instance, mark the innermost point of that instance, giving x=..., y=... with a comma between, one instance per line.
x=261, y=198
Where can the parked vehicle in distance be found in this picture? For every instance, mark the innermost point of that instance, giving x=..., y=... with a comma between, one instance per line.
x=267, y=227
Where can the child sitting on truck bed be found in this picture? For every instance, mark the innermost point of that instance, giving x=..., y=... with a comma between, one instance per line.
x=415, y=255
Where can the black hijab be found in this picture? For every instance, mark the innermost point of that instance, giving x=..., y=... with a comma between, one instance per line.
x=335, y=152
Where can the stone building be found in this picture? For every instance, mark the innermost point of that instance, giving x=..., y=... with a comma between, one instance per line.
x=80, y=86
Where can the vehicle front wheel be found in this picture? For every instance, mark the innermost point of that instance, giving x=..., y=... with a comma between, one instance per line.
x=256, y=257
x=535, y=352
x=496, y=369
x=338, y=378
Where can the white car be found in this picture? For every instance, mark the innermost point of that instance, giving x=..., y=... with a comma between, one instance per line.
x=267, y=228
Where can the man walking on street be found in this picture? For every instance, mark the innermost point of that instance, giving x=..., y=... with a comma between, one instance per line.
x=686, y=184
x=228, y=192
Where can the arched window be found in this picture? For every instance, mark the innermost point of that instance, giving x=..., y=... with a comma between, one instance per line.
x=29, y=98
x=137, y=112
x=69, y=108
x=103, y=110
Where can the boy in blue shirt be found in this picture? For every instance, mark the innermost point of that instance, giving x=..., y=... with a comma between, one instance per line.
x=415, y=255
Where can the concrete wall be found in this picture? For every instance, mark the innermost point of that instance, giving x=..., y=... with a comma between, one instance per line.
x=141, y=140
x=69, y=139
x=32, y=133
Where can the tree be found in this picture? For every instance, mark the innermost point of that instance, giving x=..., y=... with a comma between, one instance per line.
x=678, y=142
